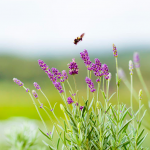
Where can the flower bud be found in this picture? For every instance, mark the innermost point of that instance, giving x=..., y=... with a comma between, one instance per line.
x=140, y=94
x=62, y=108
x=131, y=67
x=136, y=60
x=97, y=105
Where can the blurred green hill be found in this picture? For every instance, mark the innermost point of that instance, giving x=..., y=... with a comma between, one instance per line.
x=15, y=101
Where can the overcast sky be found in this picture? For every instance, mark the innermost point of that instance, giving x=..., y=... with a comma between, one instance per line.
x=50, y=26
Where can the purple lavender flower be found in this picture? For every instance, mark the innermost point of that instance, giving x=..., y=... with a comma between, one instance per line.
x=64, y=74
x=48, y=71
x=58, y=87
x=108, y=76
x=115, y=51
x=136, y=60
x=131, y=67
x=81, y=107
x=73, y=67
x=90, y=84
x=42, y=65
x=74, y=94
x=41, y=106
x=37, y=86
x=49, y=134
x=27, y=90
x=97, y=80
x=105, y=69
x=93, y=90
x=84, y=56
x=34, y=94
x=76, y=104
x=51, y=109
x=69, y=100
x=18, y=82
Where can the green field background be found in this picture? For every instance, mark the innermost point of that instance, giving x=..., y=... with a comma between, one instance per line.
x=15, y=102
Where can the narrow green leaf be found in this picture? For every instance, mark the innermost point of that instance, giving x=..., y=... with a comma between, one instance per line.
x=114, y=114
x=58, y=143
x=125, y=126
x=112, y=95
x=91, y=104
x=141, y=141
x=64, y=137
x=53, y=131
x=123, y=144
x=103, y=94
x=50, y=147
x=140, y=135
x=45, y=134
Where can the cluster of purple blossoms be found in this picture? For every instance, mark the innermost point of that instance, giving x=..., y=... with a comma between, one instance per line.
x=34, y=94
x=69, y=100
x=108, y=77
x=64, y=75
x=37, y=86
x=115, y=51
x=85, y=57
x=53, y=75
x=73, y=67
x=58, y=87
x=97, y=68
x=27, y=90
x=136, y=60
x=81, y=107
x=42, y=65
x=17, y=81
x=90, y=84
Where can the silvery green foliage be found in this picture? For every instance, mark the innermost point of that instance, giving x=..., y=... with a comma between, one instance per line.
x=104, y=129
x=22, y=137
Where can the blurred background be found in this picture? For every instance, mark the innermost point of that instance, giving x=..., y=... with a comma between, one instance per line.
x=35, y=29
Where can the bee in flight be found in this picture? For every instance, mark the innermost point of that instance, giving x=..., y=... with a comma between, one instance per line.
x=78, y=39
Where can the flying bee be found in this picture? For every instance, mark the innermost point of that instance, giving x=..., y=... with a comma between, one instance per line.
x=78, y=39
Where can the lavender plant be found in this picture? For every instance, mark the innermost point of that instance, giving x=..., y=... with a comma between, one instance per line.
x=97, y=124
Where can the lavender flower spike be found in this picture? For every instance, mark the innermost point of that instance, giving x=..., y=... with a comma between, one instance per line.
x=73, y=67
x=136, y=60
x=17, y=81
x=37, y=86
x=69, y=100
x=34, y=94
x=131, y=67
x=115, y=51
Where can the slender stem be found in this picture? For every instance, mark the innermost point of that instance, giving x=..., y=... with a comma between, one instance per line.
x=117, y=83
x=117, y=99
x=131, y=91
x=38, y=112
x=76, y=88
x=50, y=106
x=46, y=99
x=70, y=87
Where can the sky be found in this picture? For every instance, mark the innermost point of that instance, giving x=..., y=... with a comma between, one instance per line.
x=49, y=27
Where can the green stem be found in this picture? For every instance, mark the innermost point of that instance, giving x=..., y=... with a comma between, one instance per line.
x=38, y=112
x=143, y=83
x=117, y=83
x=70, y=87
